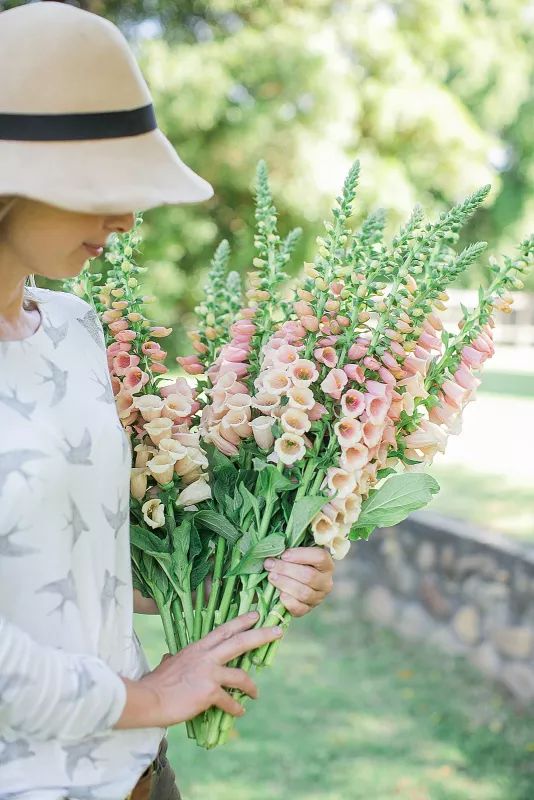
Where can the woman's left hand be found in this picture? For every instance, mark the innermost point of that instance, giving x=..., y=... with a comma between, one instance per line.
x=304, y=576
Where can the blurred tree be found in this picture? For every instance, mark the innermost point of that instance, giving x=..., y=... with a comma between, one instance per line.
x=434, y=98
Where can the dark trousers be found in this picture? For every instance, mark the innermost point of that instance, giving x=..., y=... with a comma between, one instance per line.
x=159, y=781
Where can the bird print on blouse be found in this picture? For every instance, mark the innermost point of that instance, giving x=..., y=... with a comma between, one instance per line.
x=14, y=750
x=75, y=522
x=84, y=684
x=12, y=549
x=79, y=454
x=65, y=588
x=93, y=327
x=111, y=584
x=10, y=683
x=13, y=401
x=107, y=395
x=56, y=335
x=80, y=751
x=13, y=462
x=116, y=519
x=58, y=377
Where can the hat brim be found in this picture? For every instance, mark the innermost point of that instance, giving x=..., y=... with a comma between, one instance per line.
x=111, y=176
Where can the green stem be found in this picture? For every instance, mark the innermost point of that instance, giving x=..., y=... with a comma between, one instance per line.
x=177, y=613
x=207, y=623
x=199, y=605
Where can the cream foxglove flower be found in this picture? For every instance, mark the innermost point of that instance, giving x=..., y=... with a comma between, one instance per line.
x=194, y=493
x=154, y=513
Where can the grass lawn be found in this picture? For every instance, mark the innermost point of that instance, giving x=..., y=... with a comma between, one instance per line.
x=349, y=712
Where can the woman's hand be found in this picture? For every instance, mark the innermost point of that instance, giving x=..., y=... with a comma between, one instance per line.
x=186, y=684
x=304, y=576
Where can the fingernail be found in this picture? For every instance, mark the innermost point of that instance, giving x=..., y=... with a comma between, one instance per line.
x=269, y=564
x=253, y=615
x=273, y=576
x=287, y=555
x=277, y=630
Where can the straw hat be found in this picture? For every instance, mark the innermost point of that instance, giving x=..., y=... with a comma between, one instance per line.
x=77, y=125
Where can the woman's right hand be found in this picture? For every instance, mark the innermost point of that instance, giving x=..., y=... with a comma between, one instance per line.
x=186, y=684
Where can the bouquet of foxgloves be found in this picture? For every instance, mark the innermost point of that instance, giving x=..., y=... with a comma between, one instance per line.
x=315, y=405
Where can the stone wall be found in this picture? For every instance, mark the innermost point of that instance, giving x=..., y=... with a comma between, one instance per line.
x=464, y=590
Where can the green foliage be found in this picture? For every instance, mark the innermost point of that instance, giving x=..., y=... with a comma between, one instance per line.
x=394, y=500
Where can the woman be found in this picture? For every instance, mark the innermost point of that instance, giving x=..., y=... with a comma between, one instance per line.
x=81, y=715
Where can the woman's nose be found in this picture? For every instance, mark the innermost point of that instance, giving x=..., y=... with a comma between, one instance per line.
x=120, y=223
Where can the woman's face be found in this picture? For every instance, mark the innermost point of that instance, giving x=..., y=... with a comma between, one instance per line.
x=43, y=240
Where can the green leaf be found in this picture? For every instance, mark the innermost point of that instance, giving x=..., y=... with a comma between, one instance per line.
x=385, y=473
x=198, y=573
x=218, y=523
x=195, y=545
x=361, y=532
x=304, y=511
x=259, y=464
x=399, y=495
x=217, y=460
x=272, y=481
x=249, y=503
x=252, y=561
x=147, y=541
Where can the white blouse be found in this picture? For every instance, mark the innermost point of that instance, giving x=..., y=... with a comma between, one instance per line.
x=66, y=599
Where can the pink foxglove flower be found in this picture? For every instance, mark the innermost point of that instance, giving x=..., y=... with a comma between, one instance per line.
x=303, y=373
x=334, y=383
x=158, y=429
x=134, y=380
x=150, y=406
x=162, y=467
x=138, y=482
x=354, y=458
x=353, y=403
x=317, y=412
x=326, y=355
x=301, y=398
x=354, y=372
x=340, y=482
x=348, y=431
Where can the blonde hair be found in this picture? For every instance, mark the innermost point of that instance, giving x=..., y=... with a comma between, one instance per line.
x=29, y=302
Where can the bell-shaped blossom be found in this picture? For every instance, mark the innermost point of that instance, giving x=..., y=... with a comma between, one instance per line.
x=317, y=412
x=354, y=458
x=266, y=402
x=334, y=383
x=162, y=467
x=301, y=398
x=339, y=547
x=376, y=407
x=238, y=420
x=324, y=530
x=372, y=433
x=290, y=448
x=262, y=431
x=348, y=431
x=357, y=352
x=340, y=482
x=294, y=420
x=138, y=482
x=454, y=393
x=154, y=513
x=326, y=355
x=303, y=373
x=276, y=381
x=353, y=403
x=150, y=406
x=473, y=358
x=354, y=372
x=194, y=493
x=158, y=429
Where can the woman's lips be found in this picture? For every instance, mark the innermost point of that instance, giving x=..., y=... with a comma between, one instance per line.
x=94, y=250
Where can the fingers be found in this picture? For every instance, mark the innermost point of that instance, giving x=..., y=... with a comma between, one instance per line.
x=295, y=607
x=238, y=679
x=314, y=556
x=241, y=643
x=227, y=703
x=299, y=591
x=309, y=576
x=229, y=629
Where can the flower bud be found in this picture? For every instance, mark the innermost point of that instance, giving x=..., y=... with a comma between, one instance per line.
x=310, y=270
x=117, y=292
x=126, y=266
x=331, y=305
x=211, y=334
x=321, y=284
x=128, y=251
x=323, y=252
x=362, y=291
x=210, y=319
x=364, y=316
x=78, y=290
x=132, y=283
x=147, y=298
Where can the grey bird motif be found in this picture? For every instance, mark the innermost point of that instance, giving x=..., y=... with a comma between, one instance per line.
x=77, y=752
x=8, y=548
x=14, y=460
x=116, y=519
x=79, y=454
x=107, y=395
x=76, y=522
x=12, y=681
x=111, y=584
x=84, y=685
x=13, y=401
x=65, y=588
x=92, y=326
x=14, y=751
x=56, y=335
x=59, y=378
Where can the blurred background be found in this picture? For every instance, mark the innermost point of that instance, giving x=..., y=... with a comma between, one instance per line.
x=435, y=99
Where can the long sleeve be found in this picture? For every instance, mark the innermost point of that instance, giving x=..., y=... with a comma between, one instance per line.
x=50, y=694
